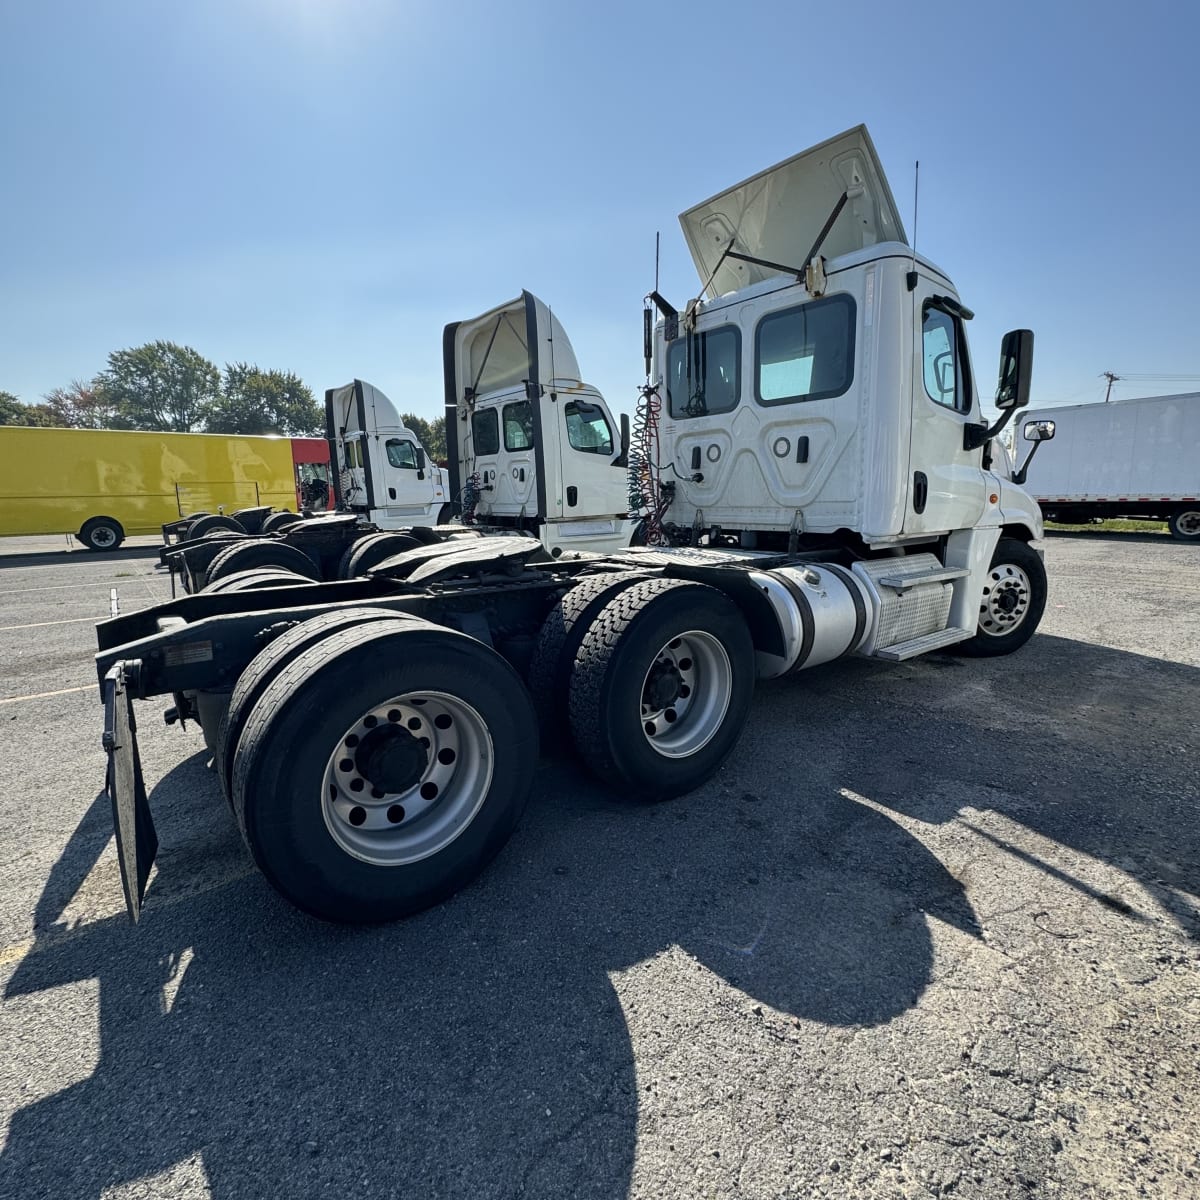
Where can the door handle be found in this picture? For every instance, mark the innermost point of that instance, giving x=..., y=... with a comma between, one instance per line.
x=920, y=491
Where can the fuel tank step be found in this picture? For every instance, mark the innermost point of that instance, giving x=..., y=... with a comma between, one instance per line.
x=901, y=583
x=924, y=644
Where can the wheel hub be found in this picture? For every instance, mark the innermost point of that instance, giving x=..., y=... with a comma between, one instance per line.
x=662, y=687
x=1006, y=599
x=391, y=759
x=407, y=778
x=686, y=694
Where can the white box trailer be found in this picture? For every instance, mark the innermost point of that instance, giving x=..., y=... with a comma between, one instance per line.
x=1127, y=458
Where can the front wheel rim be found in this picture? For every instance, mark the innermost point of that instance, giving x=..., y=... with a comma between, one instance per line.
x=685, y=694
x=407, y=778
x=102, y=536
x=1007, y=596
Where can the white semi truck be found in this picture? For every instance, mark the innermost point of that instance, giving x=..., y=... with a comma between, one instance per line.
x=1128, y=458
x=532, y=447
x=815, y=471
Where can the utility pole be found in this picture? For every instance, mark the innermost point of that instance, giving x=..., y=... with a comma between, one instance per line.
x=1111, y=380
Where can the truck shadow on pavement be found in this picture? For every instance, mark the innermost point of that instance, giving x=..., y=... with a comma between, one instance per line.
x=79, y=554
x=481, y=1049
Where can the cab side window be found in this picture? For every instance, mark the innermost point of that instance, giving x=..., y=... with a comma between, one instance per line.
x=402, y=454
x=805, y=353
x=703, y=372
x=944, y=353
x=518, y=426
x=485, y=425
x=587, y=429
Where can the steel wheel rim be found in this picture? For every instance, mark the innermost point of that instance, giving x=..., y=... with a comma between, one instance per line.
x=697, y=667
x=439, y=799
x=1189, y=523
x=1006, y=600
x=102, y=536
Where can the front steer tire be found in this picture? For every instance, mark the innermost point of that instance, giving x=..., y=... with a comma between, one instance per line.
x=1018, y=569
x=291, y=746
x=655, y=638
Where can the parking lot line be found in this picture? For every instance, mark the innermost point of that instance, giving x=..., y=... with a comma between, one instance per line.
x=87, y=687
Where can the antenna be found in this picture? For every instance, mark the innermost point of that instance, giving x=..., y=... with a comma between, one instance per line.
x=912, y=274
x=657, y=241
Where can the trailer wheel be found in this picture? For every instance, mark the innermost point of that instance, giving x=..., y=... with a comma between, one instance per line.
x=280, y=520
x=1184, y=523
x=369, y=551
x=265, y=666
x=198, y=528
x=661, y=687
x=1014, y=598
x=101, y=534
x=559, y=640
x=250, y=555
x=383, y=768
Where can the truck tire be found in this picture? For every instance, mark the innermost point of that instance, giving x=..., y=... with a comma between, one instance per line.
x=260, y=577
x=101, y=534
x=383, y=769
x=369, y=551
x=263, y=668
x=1184, y=523
x=661, y=687
x=280, y=520
x=251, y=555
x=198, y=528
x=1013, y=602
x=445, y=514
x=558, y=642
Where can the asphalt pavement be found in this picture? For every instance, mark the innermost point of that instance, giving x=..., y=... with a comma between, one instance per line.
x=934, y=929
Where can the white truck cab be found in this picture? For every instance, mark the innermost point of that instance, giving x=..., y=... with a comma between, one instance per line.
x=532, y=447
x=380, y=468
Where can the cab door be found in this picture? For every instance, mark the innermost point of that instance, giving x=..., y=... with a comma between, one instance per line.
x=503, y=453
x=408, y=489
x=946, y=483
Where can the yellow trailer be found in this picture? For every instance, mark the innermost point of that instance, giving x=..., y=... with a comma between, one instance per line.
x=103, y=484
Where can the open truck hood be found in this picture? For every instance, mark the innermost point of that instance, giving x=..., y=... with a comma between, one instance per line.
x=777, y=214
x=514, y=342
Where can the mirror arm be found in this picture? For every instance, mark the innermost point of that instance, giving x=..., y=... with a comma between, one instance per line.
x=1019, y=476
x=975, y=436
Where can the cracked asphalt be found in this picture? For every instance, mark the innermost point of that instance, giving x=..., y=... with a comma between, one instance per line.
x=933, y=930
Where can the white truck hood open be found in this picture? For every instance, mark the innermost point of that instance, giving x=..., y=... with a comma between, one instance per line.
x=777, y=214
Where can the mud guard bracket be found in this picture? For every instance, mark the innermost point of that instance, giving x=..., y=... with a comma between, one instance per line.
x=137, y=840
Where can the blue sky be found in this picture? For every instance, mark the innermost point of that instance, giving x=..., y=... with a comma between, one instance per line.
x=320, y=185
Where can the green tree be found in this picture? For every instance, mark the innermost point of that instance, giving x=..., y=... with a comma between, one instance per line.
x=84, y=406
x=257, y=401
x=432, y=433
x=14, y=411
x=160, y=386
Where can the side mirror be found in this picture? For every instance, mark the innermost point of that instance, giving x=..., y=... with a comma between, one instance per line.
x=1038, y=431
x=623, y=458
x=1016, y=370
x=420, y=463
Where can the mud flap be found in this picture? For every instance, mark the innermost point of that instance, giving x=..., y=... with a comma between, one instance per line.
x=137, y=841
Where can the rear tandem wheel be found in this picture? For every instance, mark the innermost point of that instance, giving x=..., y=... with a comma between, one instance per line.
x=383, y=768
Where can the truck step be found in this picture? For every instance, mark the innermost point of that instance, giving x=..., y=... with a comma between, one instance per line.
x=924, y=644
x=902, y=583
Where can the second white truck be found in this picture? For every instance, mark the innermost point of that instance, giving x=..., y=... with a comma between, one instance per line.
x=1128, y=458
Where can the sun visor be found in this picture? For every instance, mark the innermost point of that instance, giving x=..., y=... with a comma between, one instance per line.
x=777, y=214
